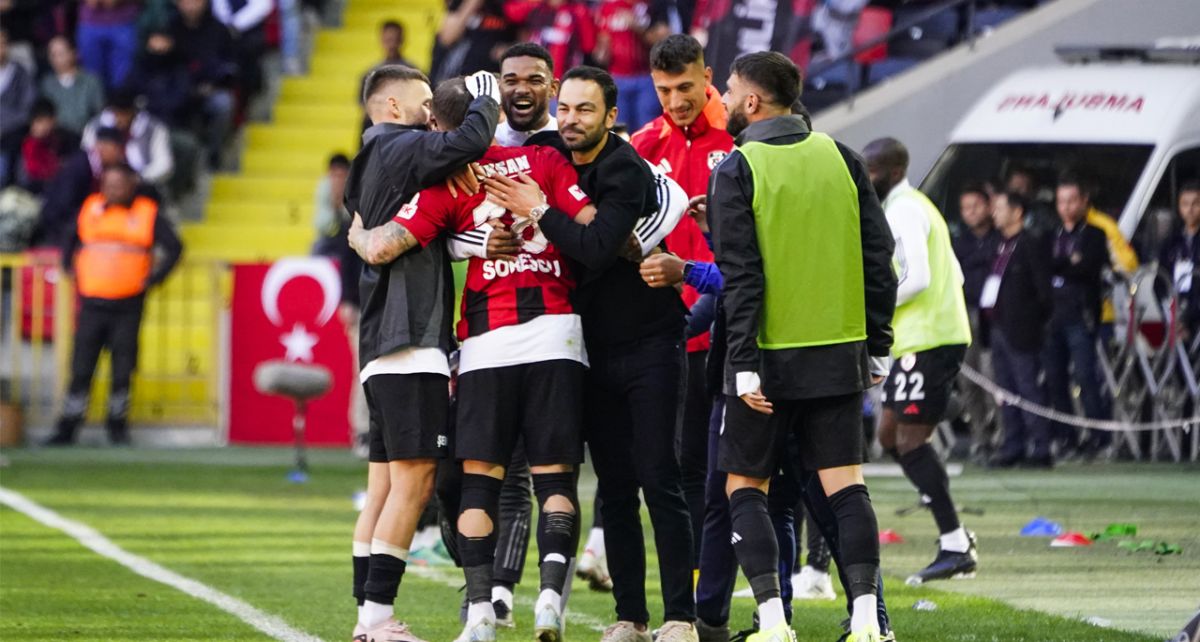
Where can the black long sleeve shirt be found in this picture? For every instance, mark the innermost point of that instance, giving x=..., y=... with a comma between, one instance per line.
x=410, y=301
x=615, y=303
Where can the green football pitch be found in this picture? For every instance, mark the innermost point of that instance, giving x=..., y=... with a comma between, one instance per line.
x=229, y=519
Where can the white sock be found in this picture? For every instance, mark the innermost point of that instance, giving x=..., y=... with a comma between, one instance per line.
x=361, y=549
x=360, y=610
x=481, y=611
x=502, y=594
x=548, y=596
x=374, y=614
x=955, y=541
x=770, y=614
x=865, y=615
x=595, y=542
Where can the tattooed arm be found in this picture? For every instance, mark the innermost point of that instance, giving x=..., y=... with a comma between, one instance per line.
x=381, y=244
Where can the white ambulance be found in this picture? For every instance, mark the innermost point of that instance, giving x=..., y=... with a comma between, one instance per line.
x=1127, y=118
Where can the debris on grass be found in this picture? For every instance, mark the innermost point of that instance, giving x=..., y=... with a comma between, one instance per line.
x=890, y=536
x=1041, y=527
x=1071, y=540
x=924, y=605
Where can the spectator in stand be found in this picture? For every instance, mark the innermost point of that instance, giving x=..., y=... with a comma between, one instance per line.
x=391, y=40
x=623, y=47
x=975, y=248
x=44, y=149
x=246, y=19
x=330, y=217
x=1017, y=307
x=207, y=50
x=1180, y=257
x=1080, y=256
x=161, y=77
x=564, y=27
x=78, y=177
x=17, y=94
x=668, y=17
x=473, y=35
x=147, y=139
x=77, y=94
x=108, y=38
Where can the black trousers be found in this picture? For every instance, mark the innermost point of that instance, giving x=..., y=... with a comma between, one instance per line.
x=631, y=410
x=693, y=444
x=101, y=326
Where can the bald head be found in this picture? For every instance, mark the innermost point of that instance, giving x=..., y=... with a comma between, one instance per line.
x=887, y=163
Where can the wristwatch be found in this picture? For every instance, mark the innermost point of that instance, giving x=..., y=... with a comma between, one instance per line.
x=539, y=211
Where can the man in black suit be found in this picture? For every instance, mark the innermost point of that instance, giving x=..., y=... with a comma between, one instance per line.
x=1079, y=256
x=1016, y=301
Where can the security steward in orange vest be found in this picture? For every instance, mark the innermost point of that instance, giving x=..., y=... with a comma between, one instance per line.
x=112, y=257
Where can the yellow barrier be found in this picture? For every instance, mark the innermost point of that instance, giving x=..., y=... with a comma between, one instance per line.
x=179, y=357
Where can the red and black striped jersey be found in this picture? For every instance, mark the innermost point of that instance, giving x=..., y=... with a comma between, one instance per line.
x=502, y=293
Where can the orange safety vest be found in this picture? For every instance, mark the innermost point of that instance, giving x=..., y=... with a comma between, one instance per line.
x=117, y=247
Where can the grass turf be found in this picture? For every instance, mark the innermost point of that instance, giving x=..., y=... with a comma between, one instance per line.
x=230, y=519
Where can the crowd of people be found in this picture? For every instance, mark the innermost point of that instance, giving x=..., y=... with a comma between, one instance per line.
x=1045, y=322
x=167, y=81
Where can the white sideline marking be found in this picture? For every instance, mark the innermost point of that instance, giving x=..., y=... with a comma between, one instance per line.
x=101, y=545
x=434, y=574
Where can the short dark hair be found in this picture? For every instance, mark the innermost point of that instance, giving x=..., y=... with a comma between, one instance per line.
x=340, y=161
x=772, y=72
x=385, y=74
x=598, y=76
x=675, y=52
x=1190, y=185
x=110, y=134
x=1076, y=178
x=123, y=167
x=391, y=24
x=451, y=100
x=122, y=100
x=1017, y=200
x=975, y=187
x=530, y=50
x=43, y=108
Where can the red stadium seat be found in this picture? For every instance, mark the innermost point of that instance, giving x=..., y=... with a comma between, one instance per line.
x=873, y=23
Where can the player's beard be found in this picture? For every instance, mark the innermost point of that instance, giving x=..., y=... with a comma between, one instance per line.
x=737, y=121
x=589, y=141
x=526, y=122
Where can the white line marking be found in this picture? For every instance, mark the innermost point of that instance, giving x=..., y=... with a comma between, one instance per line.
x=454, y=580
x=101, y=545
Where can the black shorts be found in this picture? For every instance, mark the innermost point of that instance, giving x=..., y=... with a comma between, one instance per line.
x=409, y=415
x=919, y=385
x=542, y=402
x=826, y=431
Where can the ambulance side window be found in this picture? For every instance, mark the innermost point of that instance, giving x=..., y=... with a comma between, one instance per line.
x=1161, y=217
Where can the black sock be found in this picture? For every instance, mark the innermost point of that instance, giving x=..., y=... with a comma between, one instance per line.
x=926, y=472
x=383, y=578
x=361, y=566
x=754, y=542
x=858, y=538
x=479, y=492
x=557, y=533
x=818, y=550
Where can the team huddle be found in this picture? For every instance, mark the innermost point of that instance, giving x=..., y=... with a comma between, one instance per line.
x=711, y=353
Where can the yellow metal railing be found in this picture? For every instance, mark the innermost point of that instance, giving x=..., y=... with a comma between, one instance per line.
x=180, y=345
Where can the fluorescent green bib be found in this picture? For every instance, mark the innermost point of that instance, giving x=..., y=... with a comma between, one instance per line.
x=938, y=315
x=807, y=218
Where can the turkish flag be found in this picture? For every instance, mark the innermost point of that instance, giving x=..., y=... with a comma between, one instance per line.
x=288, y=310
